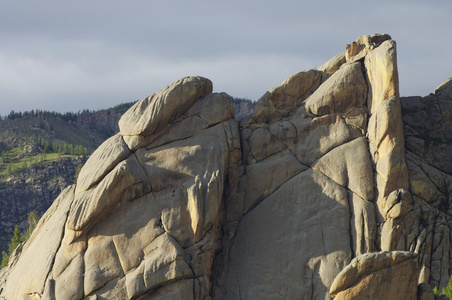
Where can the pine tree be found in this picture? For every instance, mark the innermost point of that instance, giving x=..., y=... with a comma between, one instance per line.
x=32, y=222
x=9, y=170
x=15, y=240
x=5, y=258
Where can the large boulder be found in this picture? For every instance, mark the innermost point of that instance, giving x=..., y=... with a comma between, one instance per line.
x=379, y=275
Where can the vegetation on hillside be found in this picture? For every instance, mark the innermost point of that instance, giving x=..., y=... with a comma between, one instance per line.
x=35, y=150
x=19, y=237
x=86, y=128
x=446, y=291
x=238, y=100
x=67, y=116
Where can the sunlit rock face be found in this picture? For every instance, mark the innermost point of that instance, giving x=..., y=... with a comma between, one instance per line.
x=187, y=203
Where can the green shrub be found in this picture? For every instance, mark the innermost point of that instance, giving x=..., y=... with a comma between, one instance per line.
x=447, y=290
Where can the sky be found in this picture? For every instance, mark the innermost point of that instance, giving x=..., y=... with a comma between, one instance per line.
x=61, y=55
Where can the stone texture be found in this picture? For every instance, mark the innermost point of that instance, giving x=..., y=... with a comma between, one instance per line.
x=126, y=182
x=345, y=89
x=426, y=225
x=444, y=90
x=381, y=275
x=284, y=99
x=101, y=162
x=363, y=225
x=363, y=45
x=265, y=177
x=317, y=136
x=349, y=165
x=331, y=66
x=153, y=112
x=308, y=212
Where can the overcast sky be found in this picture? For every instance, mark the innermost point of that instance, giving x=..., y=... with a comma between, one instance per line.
x=72, y=55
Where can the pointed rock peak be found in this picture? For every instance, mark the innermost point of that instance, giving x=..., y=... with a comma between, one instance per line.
x=444, y=90
x=155, y=111
x=364, y=44
x=331, y=66
x=284, y=99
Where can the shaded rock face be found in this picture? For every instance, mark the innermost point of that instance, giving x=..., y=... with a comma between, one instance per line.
x=425, y=228
x=309, y=197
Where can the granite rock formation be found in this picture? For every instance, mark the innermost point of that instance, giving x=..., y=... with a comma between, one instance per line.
x=315, y=195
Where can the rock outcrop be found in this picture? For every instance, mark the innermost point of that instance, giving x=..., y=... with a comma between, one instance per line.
x=373, y=276
x=315, y=195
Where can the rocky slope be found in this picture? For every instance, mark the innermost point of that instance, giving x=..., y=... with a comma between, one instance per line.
x=315, y=195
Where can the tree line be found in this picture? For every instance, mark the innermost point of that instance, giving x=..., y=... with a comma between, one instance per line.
x=65, y=148
x=67, y=116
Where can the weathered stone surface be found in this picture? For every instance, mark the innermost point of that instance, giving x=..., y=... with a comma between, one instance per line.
x=343, y=90
x=102, y=161
x=363, y=225
x=284, y=99
x=425, y=292
x=180, y=290
x=349, y=165
x=363, y=45
x=101, y=263
x=318, y=136
x=386, y=141
x=427, y=132
x=152, y=113
x=332, y=65
x=131, y=237
x=380, y=275
x=126, y=182
x=187, y=180
x=69, y=284
x=208, y=111
x=308, y=212
x=381, y=69
x=163, y=262
x=444, y=90
x=265, y=177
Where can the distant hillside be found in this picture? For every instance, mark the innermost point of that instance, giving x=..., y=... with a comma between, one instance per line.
x=243, y=107
x=86, y=128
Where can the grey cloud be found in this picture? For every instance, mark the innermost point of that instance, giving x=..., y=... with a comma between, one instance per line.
x=74, y=55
